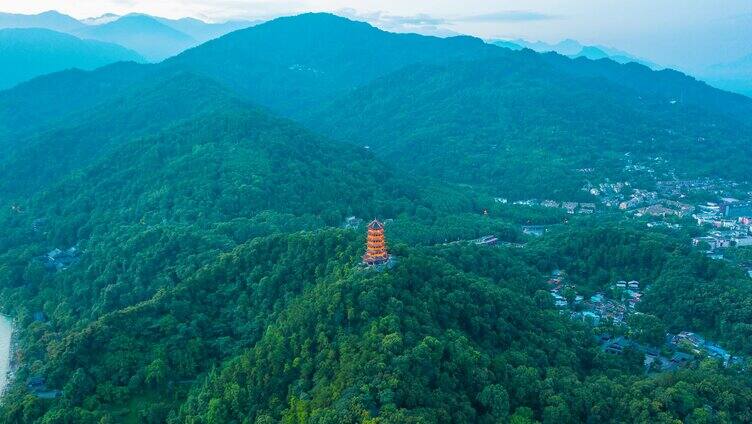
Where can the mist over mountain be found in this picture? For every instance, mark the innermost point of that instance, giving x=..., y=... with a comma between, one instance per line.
x=26, y=53
x=103, y=19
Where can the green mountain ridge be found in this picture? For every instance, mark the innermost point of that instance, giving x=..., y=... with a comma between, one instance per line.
x=522, y=125
x=212, y=279
x=142, y=110
x=289, y=64
x=52, y=100
x=282, y=66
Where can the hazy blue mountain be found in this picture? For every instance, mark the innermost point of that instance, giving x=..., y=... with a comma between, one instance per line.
x=598, y=53
x=155, y=38
x=50, y=20
x=203, y=31
x=144, y=34
x=733, y=76
x=507, y=44
x=29, y=52
x=574, y=48
x=593, y=53
x=566, y=47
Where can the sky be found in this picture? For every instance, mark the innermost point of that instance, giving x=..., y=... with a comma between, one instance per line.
x=685, y=34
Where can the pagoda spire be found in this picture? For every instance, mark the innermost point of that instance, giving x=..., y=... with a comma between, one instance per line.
x=376, y=252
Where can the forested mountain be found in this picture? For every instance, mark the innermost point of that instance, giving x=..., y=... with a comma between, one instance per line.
x=50, y=99
x=79, y=138
x=28, y=53
x=210, y=278
x=524, y=123
x=316, y=56
x=314, y=62
x=290, y=64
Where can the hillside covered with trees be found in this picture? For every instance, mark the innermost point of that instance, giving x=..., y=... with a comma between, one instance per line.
x=212, y=275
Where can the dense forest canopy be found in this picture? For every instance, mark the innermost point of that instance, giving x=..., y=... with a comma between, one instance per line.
x=214, y=248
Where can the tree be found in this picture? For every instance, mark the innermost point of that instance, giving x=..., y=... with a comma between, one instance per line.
x=647, y=328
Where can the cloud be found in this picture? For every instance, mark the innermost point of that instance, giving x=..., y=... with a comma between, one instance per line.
x=439, y=25
x=508, y=16
x=420, y=23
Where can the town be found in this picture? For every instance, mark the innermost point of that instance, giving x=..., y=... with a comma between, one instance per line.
x=720, y=210
x=616, y=310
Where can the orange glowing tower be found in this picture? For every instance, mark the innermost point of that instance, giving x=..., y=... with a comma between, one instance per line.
x=376, y=253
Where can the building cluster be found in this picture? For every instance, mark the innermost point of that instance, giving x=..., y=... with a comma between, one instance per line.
x=729, y=225
x=58, y=260
x=534, y=230
x=700, y=346
x=679, y=350
x=37, y=386
x=679, y=188
x=599, y=308
x=664, y=208
x=569, y=207
x=663, y=201
x=650, y=203
x=608, y=194
x=352, y=223
x=655, y=359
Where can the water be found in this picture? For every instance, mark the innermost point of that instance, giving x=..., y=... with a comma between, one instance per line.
x=6, y=329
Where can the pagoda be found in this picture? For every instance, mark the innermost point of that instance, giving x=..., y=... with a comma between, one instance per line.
x=376, y=253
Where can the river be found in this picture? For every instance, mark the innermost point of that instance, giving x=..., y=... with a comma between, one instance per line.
x=6, y=330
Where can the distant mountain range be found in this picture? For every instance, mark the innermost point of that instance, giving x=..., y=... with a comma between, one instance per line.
x=29, y=52
x=53, y=20
x=575, y=49
x=154, y=38
x=144, y=34
x=733, y=76
x=457, y=108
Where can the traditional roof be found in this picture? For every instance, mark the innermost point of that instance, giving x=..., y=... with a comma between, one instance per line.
x=375, y=225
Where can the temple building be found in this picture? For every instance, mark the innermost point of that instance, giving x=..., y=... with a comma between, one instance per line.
x=376, y=253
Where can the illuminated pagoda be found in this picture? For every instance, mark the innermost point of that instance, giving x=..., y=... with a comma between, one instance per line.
x=376, y=253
